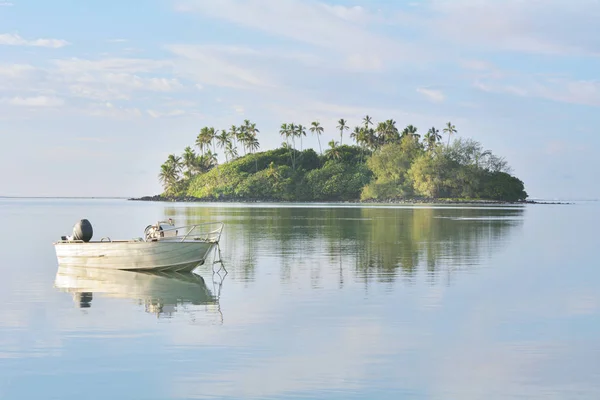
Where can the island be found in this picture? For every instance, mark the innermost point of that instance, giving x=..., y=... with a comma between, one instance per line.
x=380, y=164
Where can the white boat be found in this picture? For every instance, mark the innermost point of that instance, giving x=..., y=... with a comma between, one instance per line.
x=164, y=247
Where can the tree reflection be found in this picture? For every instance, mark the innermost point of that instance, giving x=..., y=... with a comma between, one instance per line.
x=371, y=243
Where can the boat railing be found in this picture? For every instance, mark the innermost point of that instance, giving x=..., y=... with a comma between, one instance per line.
x=206, y=232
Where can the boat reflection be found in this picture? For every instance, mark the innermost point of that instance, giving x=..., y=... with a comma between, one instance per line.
x=161, y=293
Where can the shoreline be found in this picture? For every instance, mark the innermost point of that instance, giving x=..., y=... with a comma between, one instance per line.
x=416, y=201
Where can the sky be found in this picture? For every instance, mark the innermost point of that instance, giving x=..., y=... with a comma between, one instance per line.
x=95, y=95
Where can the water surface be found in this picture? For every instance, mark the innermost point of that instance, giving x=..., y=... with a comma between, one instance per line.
x=317, y=301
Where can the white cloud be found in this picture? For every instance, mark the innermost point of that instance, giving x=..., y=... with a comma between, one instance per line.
x=158, y=114
x=552, y=27
x=131, y=65
x=111, y=110
x=114, y=78
x=15, y=70
x=433, y=95
x=38, y=101
x=332, y=28
x=583, y=92
x=355, y=14
x=6, y=4
x=208, y=65
x=13, y=39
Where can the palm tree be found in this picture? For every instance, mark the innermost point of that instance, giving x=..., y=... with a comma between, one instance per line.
x=200, y=141
x=175, y=162
x=449, y=129
x=342, y=127
x=317, y=129
x=368, y=121
x=253, y=145
x=168, y=175
x=286, y=131
x=211, y=138
x=371, y=139
x=432, y=137
x=250, y=128
x=293, y=131
x=410, y=130
x=211, y=159
x=189, y=161
x=301, y=131
x=223, y=141
x=241, y=136
x=233, y=134
x=231, y=151
x=358, y=134
x=205, y=138
x=333, y=151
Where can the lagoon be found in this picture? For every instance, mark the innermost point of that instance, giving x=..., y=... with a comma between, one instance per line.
x=314, y=301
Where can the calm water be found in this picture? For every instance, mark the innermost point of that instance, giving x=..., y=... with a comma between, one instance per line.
x=317, y=302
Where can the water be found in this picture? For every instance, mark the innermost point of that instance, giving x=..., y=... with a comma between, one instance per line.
x=318, y=301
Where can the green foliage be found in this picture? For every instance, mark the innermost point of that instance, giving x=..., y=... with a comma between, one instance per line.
x=385, y=164
x=390, y=165
x=463, y=170
x=502, y=186
x=337, y=181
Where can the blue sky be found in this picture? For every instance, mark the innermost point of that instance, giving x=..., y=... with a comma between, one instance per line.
x=95, y=95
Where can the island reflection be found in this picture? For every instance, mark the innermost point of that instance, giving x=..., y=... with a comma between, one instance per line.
x=381, y=243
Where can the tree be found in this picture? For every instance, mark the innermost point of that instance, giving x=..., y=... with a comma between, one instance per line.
x=168, y=176
x=449, y=129
x=287, y=131
x=189, y=161
x=253, y=145
x=333, y=151
x=410, y=130
x=342, y=126
x=301, y=131
x=223, y=142
x=231, y=151
x=317, y=129
x=233, y=134
x=431, y=138
x=368, y=121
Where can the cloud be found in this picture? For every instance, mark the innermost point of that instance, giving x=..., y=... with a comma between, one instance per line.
x=561, y=147
x=15, y=70
x=219, y=66
x=131, y=65
x=158, y=114
x=111, y=110
x=114, y=78
x=6, y=4
x=92, y=139
x=38, y=101
x=341, y=32
x=13, y=39
x=551, y=27
x=582, y=92
x=435, y=96
x=116, y=40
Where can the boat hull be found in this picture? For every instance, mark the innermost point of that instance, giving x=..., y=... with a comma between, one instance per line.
x=134, y=255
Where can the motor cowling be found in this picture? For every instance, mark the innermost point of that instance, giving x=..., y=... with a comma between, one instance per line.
x=83, y=231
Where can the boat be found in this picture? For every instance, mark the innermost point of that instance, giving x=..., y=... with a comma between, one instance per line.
x=164, y=247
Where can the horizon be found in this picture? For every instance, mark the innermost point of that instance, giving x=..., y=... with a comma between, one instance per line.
x=91, y=112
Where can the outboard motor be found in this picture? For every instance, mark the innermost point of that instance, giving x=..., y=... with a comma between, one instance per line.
x=83, y=231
